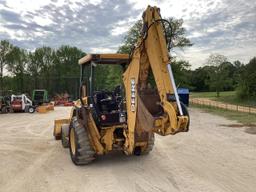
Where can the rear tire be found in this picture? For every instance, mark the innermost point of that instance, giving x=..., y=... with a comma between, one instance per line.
x=11, y=110
x=185, y=112
x=80, y=148
x=64, y=135
x=4, y=110
x=150, y=145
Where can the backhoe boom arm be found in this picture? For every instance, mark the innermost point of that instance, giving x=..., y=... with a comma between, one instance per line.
x=151, y=53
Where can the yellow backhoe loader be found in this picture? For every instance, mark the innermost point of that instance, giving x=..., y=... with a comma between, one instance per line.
x=127, y=118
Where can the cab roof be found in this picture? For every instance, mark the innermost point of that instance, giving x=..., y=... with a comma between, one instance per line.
x=119, y=59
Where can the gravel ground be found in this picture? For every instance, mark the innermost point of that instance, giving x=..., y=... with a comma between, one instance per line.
x=213, y=156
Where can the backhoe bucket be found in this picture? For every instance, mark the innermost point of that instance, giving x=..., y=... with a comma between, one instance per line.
x=144, y=117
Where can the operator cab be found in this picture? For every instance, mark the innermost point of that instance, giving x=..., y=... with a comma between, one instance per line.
x=108, y=106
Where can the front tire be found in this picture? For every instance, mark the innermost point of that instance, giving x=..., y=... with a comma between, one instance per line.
x=31, y=109
x=185, y=112
x=80, y=148
x=64, y=135
x=4, y=110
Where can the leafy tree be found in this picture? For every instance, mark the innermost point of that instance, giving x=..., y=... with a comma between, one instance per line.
x=45, y=57
x=177, y=34
x=66, y=69
x=5, y=49
x=247, y=85
x=237, y=64
x=17, y=63
x=200, y=77
x=216, y=75
x=131, y=38
x=181, y=72
x=34, y=67
x=114, y=77
x=238, y=67
x=216, y=60
x=220, y=74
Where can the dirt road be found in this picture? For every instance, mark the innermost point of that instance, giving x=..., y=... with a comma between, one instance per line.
x=211, y=157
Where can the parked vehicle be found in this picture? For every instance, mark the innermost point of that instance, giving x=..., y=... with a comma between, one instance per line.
x=21, y=103
x=39, y=96
x=4, y=104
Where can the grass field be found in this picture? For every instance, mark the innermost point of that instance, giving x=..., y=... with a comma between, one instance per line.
x=227, y=97
x=244, y=118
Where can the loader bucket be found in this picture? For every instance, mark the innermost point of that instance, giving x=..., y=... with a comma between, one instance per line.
x=57, y=127
x=42, y=109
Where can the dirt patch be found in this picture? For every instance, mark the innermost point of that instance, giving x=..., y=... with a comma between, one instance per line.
x=251, y=130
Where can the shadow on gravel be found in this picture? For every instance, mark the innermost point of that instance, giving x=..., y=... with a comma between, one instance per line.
x=118, y=158
x=250, y=128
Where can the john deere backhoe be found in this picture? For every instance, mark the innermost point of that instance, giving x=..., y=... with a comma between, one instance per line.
x=127, y=118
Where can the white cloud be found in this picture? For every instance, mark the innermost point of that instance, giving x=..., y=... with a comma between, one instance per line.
x=179, y=9
x=122, y=26
x=101, y=50
x=26, y=5
x=222, y=26
x=95, y=2
x=119, y=30
x=195, y=34
x=141, y=4
x=116, y=7
x=17, y=34
x=43, y=21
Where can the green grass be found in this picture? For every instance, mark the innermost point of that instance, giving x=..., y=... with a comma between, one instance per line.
x=244, y=118
x=212, y=94
x=226, y=97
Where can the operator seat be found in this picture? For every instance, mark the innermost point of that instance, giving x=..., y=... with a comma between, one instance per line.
x=105, y=102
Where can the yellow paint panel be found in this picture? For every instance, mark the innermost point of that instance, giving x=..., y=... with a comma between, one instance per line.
x=85, y=59
x=131, y=74
x=114, y=56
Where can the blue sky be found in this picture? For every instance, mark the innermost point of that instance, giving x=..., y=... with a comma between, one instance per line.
x=214, y=26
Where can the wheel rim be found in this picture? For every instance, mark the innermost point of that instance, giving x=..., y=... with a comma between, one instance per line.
x=72, y=141
x=31, y=110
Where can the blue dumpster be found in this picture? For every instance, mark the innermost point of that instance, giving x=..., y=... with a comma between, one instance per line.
x=184, y=95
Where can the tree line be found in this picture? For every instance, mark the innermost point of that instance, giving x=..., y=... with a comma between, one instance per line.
x=218, y=74
x=57, y=69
